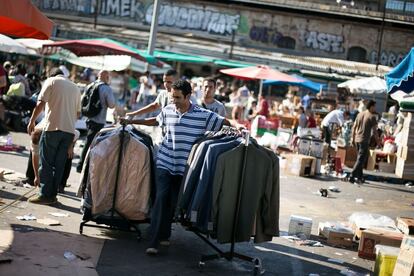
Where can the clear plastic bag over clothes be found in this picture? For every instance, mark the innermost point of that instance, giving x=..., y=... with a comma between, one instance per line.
x=370, y=220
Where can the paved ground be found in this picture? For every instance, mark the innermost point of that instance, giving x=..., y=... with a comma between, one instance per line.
x=37, y=249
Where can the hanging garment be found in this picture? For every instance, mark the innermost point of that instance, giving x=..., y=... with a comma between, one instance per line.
x=135, y=174
x=254, y=199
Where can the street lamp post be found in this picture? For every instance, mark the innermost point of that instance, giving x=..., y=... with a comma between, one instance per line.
x=153, y=31
x=381, y=35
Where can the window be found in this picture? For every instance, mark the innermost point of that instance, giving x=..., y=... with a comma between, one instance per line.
x=357, y=54
x=395, y=5
x=286, y=42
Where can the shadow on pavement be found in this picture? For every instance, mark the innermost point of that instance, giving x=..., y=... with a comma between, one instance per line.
x=39, y=251
x=126, y=256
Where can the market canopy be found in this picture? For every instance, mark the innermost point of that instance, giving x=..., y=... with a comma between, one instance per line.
x=231, y=63
x=108, y=62
x=20, y=18
x=372, y=85
x=259, y=72
x=172, y=56
x=9, y=45
x=101, y=47
x=401, y=77
x=314, y=86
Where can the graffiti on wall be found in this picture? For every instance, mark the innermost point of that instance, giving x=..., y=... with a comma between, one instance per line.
x=271, y=36
x=323, y=41
x=133, y=9
x=387, y=58
x=195, y=19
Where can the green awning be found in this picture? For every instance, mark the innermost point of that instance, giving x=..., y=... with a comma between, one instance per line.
x=232, y=63
x=170, y=56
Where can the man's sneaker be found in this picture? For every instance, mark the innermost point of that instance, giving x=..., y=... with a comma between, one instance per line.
x=352, y=180
x=165, y=243
x=43, y=200
x=152, y=251
x=78, y=169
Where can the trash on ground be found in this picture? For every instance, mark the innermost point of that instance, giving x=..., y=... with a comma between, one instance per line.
x=28, y=186
x=48, y=221
x=26, y=217
x=292, y=238
x=409, y=184
x=359, y=200
x=323, y=192
x=313, y=274
x=309, y=243
x=61, y=215
x=339, y=254
x=348, y=272
x=299, y=225
x=69, y=256
x=335, y=261
x=334, y=189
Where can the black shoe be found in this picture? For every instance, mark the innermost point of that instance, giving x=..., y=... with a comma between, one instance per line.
x=352, y=180
x=78, y=169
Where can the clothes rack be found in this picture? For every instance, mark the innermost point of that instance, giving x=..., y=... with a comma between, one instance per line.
x=230, y=255
x=124, y=223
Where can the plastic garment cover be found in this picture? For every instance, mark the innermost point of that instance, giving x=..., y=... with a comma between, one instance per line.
x=133, y=192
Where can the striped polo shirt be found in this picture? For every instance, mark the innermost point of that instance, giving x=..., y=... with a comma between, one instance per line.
x=182, y=130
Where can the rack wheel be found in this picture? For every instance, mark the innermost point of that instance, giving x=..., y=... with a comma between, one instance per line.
x=201, y=264
x=257, y=270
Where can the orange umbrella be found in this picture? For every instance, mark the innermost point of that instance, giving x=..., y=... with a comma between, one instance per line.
x=259, y=72
x=20, y=18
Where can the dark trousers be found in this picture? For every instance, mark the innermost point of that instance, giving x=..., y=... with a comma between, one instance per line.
x=327, y=135
x=93, y=129
x=66, y=173
x=30, y=175
x=363, y=151
x=53, y=154
x=168, y=187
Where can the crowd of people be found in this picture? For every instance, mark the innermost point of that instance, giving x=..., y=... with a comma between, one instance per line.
x=181, y=107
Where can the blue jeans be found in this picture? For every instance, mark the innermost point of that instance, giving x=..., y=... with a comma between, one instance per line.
x=168, y=187
x=53, y=154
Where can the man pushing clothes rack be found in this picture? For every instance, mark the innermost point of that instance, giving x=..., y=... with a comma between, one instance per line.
x=184, y=123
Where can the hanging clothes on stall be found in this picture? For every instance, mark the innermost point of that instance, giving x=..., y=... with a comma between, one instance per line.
x=209, y=191
x=135, y=181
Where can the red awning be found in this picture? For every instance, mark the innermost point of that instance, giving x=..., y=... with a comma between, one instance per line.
x=259, y=72
x=20, y=18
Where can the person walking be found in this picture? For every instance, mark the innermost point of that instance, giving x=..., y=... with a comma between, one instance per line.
x=61, y=99
x=184, y=122
x=365, y=125
x=207, y=100
x=96, y=123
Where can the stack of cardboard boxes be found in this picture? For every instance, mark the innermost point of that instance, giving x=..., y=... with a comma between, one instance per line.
x=405, y=154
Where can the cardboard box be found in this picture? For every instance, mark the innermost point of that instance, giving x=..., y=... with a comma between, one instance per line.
x=404, y=169
x=372, y=158
x=300, y=165
x=300, y=225
x=386, y=259
x=406, y=153
x=335, y=236
x=405, y=261
x=406, y=225
x=374, y=236
x=386, y=167
x=348, y=156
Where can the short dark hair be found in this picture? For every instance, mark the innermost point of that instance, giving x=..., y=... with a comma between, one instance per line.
x=371, y=103
x=170, y=72
x=210, y=80
x=347, y=113
x=55, y=72
x=182, y=85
